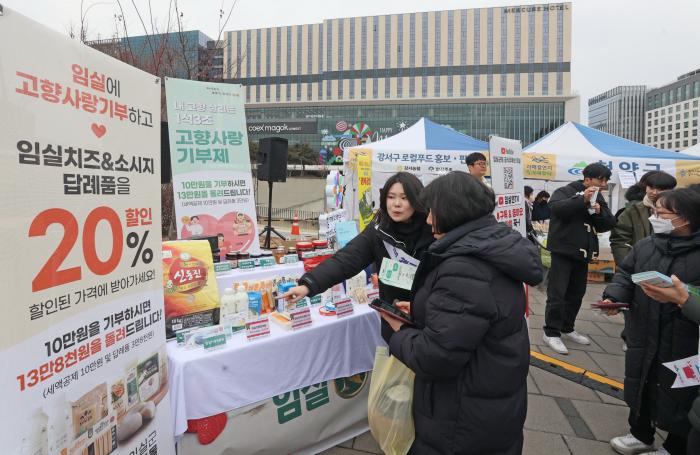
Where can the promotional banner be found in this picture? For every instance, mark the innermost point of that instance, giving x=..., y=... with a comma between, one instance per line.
x=82, y=345
x=364, y=189
x=212, y=181
x=506, y=157
x=304, y=421
x=506, y=161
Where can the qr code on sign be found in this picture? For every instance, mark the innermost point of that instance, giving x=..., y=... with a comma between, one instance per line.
x=508, y=178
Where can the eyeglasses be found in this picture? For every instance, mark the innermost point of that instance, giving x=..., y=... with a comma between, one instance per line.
x=480, y=163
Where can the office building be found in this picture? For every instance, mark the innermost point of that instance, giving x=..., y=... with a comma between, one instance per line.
x=619, y=111
x=672, y=113
x=502, y=70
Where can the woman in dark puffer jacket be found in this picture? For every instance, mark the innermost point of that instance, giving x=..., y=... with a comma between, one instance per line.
x=659, y=333
x=398, y=230
x=469, y=347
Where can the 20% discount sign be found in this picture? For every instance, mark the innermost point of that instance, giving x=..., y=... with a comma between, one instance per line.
x=55, y=273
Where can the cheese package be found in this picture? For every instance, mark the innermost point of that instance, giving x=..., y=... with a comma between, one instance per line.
x=191, y=291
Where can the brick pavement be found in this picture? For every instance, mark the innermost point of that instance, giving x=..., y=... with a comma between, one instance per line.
x=564, y=417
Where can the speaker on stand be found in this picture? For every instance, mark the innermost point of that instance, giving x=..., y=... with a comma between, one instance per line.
x=272, y=167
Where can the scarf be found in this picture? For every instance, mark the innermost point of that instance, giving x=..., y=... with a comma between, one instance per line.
x=410, y=232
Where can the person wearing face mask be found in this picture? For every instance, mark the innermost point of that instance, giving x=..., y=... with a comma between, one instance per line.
x=540, y=208
x=633, y=224
x=398, y=231
x=689, y=304
x=656, y=332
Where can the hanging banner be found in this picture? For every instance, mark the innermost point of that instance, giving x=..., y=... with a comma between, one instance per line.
x=212, y=180
x=364, y=189
x=305, y=421
x=83, y=340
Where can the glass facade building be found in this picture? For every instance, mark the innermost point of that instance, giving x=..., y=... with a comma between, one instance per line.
x=619, y=111
x=342, y=125
x=501, y=70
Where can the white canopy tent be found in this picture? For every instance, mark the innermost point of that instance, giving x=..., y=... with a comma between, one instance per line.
x=560, y=156
x=426, y=149
x=694, y=150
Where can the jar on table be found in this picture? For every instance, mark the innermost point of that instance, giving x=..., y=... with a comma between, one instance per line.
x=232, y=259
x=304, y=247
x=320, y=244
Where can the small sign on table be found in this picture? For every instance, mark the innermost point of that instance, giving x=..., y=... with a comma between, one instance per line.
x=344, y=308
x=257, y=328
x=301, y=317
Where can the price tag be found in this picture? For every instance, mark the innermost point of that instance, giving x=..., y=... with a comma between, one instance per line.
x=222, y=267
x=301, y=317
x=397, y=274
x=290, y=259
x=372, y=294
x=344, y=308
x=257, y=328
x=244, y=264
x=316, y=300
x=214, y=342
x=267, y=262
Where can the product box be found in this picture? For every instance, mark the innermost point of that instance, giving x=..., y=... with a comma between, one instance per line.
x=189, y=281
x=653, y=278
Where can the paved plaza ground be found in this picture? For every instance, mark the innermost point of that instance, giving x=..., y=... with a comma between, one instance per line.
x=564, y=417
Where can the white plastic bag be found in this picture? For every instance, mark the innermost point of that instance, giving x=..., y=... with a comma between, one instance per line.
x=389, y=404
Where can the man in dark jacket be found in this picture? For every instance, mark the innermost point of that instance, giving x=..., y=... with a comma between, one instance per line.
x=579, y=213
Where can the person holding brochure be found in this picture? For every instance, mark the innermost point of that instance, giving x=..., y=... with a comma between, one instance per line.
x=468, y=346
x=657, y=332
x=689, y=305
x=398, y=231
x=579, y=213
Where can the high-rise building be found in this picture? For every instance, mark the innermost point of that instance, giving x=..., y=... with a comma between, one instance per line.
x=619, y=111
x=185, y=55
x=672, y=113
x=503, y=70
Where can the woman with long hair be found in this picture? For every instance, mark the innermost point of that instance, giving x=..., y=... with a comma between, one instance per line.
x=398, y=230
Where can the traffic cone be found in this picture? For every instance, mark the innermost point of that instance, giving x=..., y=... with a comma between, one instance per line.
x=295, y=233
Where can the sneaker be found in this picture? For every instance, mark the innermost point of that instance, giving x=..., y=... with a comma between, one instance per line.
x=556, y=344
x=629, y=445
x=576, y=337
x=660, y=451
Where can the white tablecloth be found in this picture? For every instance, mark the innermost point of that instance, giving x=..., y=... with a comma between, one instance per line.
x=225, y=280
x=244, y=372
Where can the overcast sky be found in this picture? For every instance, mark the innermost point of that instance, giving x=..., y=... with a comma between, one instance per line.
x=615, y=42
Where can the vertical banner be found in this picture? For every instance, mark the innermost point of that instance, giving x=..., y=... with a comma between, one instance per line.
x=212, y=180
x=82, y=346
x=364, y=189
x=506, y=159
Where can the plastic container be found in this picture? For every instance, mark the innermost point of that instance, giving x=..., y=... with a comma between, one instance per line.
x=320, y=244
x=304, y=247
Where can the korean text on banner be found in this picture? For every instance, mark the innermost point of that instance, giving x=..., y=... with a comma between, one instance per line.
x=212, y=181
x=364, y=189
x=506, y=156
x=83, y=339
